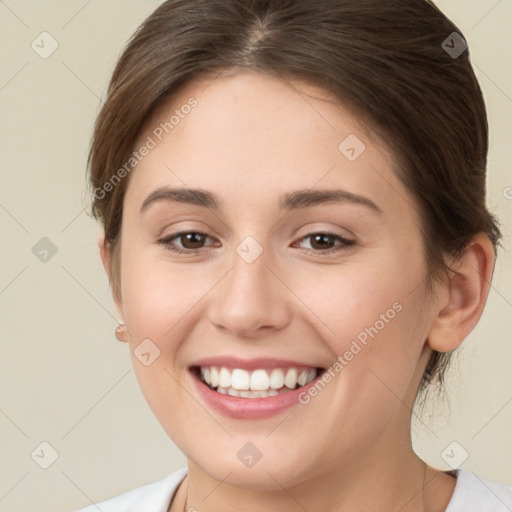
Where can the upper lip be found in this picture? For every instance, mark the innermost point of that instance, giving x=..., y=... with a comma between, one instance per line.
x=251, y=364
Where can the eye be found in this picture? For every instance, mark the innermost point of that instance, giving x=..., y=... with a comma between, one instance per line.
x=191, y=241
x=323, y=243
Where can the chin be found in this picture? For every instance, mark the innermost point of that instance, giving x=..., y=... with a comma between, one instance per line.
x=271, y=472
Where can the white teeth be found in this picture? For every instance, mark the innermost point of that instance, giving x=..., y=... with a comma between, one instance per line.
x=302, y=378
x=252, y=393
x=214, y=376
x=259, y=380
x=290, y=380
x=240, y=379
x=277, y=379
x=240, y=382
x=224, y=378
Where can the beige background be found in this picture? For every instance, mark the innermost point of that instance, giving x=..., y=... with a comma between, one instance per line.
x=65, y=380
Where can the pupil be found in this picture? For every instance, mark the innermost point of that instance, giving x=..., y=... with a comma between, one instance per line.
x=191, y=236
x=324, y=237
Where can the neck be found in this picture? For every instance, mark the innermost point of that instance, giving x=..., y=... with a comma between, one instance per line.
x=387, y=480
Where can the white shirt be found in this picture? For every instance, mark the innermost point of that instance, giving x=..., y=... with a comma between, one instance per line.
x=471, y=494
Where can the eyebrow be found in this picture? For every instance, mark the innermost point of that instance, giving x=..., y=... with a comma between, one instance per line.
x=291, y=201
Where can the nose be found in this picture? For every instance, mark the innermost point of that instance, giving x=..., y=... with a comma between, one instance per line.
x=251, y=300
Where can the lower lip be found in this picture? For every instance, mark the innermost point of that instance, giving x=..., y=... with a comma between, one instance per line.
x=250, y=408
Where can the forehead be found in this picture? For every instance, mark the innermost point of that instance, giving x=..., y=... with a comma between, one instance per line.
x=252, y=135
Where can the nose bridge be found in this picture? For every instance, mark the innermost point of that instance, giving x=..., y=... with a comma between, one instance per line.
x=251, y=296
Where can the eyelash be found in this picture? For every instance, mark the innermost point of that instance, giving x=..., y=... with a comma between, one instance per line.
x=345, y=245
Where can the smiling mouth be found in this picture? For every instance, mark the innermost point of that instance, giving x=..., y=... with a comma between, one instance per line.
x=258, y=383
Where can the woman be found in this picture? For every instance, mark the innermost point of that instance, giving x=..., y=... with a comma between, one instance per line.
x=293, y=201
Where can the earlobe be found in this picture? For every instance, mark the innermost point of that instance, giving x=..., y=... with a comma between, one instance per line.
x=464, y=295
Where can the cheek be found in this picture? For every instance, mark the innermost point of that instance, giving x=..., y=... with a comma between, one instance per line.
x=358, y=300
x=160, y=308
x=159, y=298
x=372, y=320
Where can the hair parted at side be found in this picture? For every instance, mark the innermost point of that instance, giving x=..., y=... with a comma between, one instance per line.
x=382, y=59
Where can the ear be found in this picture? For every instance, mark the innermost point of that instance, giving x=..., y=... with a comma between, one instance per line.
x=463, y=296
x=105, y=255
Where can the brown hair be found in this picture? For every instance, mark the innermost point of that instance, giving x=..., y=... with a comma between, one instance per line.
x=389, y=61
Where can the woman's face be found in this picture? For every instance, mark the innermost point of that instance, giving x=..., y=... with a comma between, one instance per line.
x=261, y=294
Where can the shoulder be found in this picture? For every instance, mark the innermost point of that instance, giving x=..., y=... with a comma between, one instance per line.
x=475, y=494
x=152, y=497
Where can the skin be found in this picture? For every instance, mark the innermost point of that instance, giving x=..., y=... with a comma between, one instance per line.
x=250, y=139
